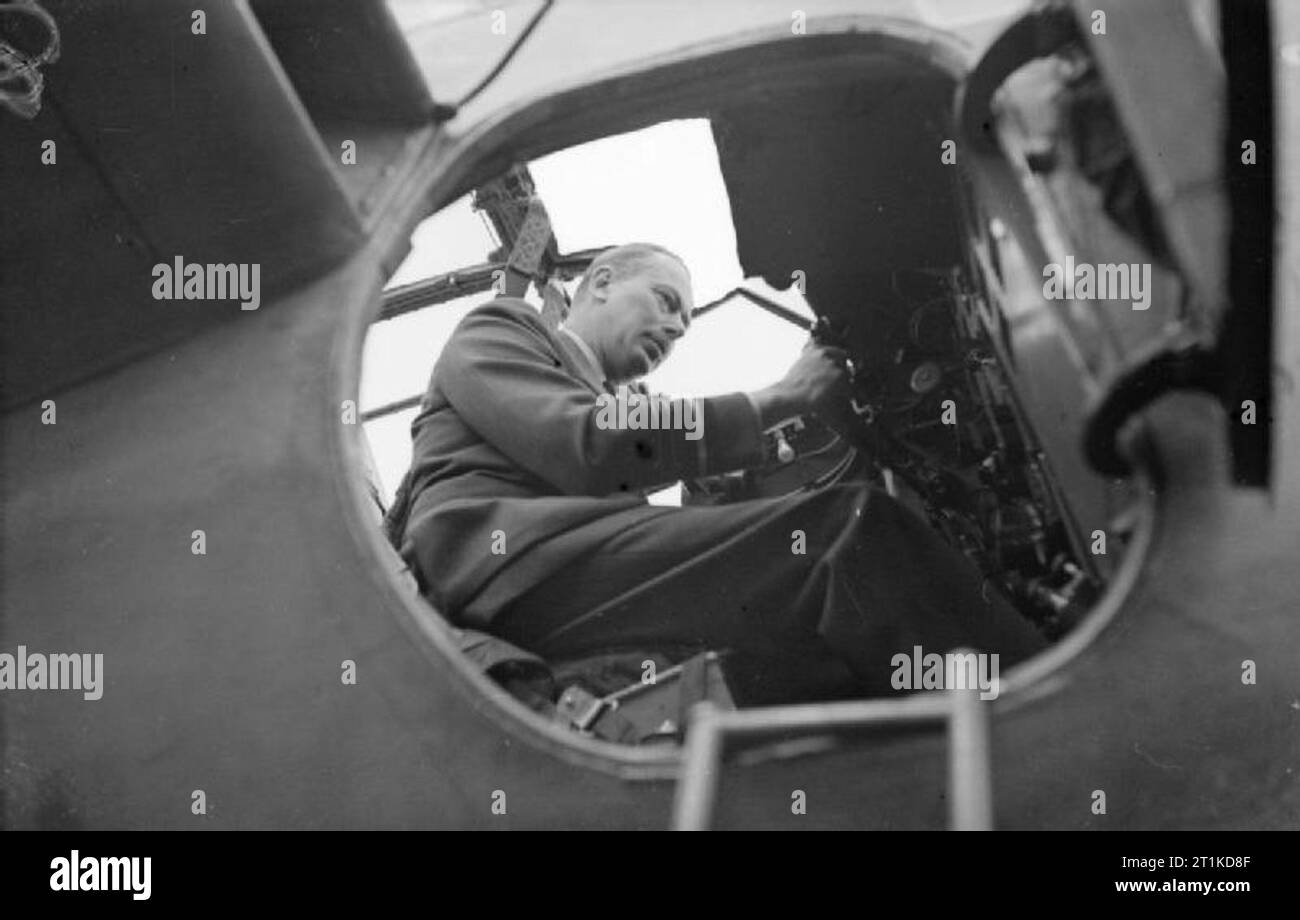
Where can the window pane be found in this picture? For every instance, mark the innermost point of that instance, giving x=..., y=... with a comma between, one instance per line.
x=390, y=447
x=399, y=353
x=661, y=184
x=737, y=346
x=455, y=237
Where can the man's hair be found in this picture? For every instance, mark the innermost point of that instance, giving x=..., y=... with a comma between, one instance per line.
x=627, y=259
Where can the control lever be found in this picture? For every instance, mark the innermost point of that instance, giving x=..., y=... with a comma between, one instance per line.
x=824, y=332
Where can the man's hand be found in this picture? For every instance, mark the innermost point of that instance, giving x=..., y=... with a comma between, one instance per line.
x=817, y=377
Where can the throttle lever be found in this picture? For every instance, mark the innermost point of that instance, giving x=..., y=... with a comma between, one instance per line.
x=823, y=332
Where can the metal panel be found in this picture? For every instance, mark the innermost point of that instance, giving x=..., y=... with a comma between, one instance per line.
x=169, y=143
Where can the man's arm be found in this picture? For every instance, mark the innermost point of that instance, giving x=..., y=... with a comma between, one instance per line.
x=817, y=376
x=815, y=379
x=501, y=374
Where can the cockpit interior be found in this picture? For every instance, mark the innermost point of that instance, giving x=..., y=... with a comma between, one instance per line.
x=857, y=222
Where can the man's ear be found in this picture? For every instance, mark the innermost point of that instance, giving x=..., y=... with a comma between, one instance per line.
x=600, y=281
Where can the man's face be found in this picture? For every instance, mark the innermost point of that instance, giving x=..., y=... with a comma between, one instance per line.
x=643, y=312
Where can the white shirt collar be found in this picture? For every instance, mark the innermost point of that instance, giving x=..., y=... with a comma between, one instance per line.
x=586, y=352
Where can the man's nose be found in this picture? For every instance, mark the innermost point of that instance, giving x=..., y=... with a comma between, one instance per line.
x=677, y=329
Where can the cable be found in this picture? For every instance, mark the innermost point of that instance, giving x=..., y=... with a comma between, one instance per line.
x=505, y=58
x=836, y=472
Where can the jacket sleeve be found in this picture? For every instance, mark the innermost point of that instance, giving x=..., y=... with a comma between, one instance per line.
x=502, y=375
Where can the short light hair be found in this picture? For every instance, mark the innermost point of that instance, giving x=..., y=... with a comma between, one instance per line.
x=627, y=259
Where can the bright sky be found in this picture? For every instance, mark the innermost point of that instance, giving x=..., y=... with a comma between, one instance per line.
x=661, y=184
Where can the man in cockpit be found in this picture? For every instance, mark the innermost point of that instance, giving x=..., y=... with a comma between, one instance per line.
x=524, y=513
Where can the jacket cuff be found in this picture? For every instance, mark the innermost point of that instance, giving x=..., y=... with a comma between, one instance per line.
x=733, y=433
